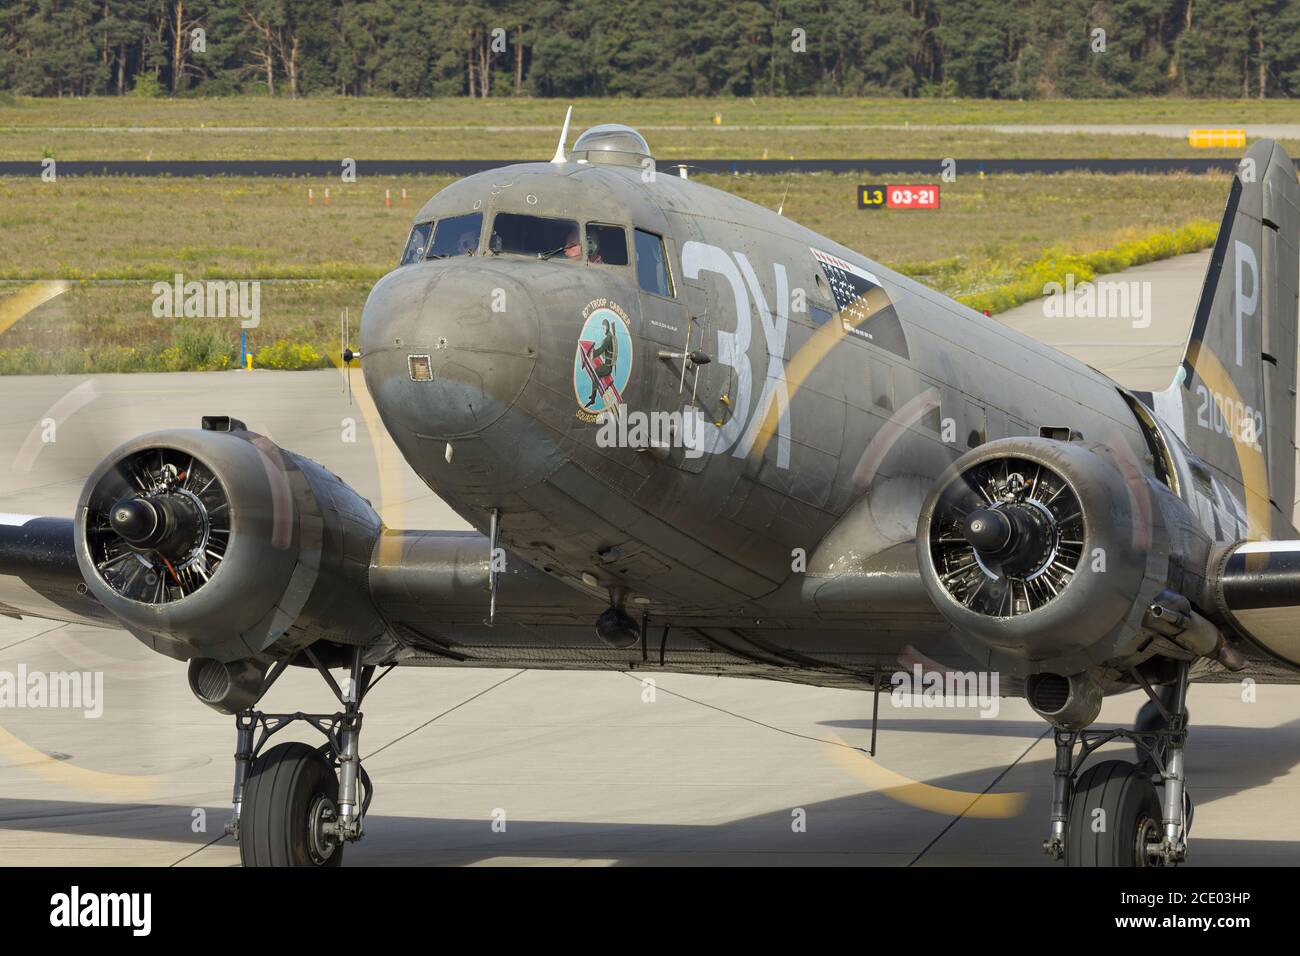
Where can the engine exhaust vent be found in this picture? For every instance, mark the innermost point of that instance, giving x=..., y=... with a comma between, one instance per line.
x=227, y=688
x=1067, y=703
x=1048, y=693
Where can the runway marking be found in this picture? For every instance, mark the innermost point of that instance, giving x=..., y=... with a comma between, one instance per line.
x=996, y=780
x=18, y=753
x=889, y=783
x=390, y=482
x=924, y=796
x=41, y=764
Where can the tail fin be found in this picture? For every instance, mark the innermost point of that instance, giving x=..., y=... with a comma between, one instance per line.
x=1235, y=391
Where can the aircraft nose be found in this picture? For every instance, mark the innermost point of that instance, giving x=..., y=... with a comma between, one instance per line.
x=448, y=346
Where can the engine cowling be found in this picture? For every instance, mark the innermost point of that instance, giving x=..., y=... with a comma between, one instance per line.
x=217, y=543
x=1049, y=554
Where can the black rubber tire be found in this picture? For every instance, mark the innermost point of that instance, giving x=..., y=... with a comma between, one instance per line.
x=282, y=786
x=1126, y=795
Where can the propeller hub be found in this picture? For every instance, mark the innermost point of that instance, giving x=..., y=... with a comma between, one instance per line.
x=988, y=530
x=1004, y=545
x=157, y=522
x=137, y=521
x=170, y=524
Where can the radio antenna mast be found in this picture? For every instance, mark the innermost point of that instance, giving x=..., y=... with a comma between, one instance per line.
x=564, y=135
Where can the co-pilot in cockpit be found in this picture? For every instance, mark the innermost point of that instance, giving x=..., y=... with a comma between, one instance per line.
x=453, y=236
x=538, y=237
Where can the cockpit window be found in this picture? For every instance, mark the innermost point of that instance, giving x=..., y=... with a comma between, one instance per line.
x=414, y=250
x=651, y=264
x=606, y=245
x=535, y=236
x=457, y=236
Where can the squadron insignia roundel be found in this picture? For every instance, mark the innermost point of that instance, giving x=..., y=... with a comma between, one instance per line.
x=602, y=362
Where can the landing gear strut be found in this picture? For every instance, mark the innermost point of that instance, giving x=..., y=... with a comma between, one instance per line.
x=1111, y=813
x=296, y=805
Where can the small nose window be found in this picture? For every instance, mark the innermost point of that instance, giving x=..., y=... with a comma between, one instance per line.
x=415, y=244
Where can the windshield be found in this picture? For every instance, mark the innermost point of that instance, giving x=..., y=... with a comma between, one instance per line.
x=457, y=236
x=536, y=236
x=416, y=243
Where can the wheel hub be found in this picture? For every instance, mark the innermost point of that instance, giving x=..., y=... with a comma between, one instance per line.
x=322, y=814
x=1147, y=848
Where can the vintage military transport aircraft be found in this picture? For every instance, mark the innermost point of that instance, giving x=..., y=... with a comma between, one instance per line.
x=843, y=473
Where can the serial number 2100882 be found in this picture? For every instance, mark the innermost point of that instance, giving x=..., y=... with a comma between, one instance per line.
x=1227, y=416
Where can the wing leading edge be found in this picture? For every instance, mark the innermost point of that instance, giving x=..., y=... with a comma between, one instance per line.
x=39, y=576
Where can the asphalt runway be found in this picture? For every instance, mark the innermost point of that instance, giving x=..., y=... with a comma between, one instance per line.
x=1140, y=352
x=319, y=168
x=505, y=766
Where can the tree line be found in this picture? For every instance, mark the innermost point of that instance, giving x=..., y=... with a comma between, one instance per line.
x=481, y=48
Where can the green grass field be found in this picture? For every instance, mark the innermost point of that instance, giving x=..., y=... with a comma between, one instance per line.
x=84, y=228
x=991, y=244
x=507, y=128
x=113, y=237
x=548, y=113
x=667, y=145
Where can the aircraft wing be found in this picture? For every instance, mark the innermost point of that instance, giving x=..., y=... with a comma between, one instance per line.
x=432, y=590
x=39, y=576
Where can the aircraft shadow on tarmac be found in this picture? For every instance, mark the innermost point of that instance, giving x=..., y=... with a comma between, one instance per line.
x=869, y=827
x=1226, y=759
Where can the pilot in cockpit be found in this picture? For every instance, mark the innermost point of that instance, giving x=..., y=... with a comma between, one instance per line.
x=467, y=243
x=572, y=247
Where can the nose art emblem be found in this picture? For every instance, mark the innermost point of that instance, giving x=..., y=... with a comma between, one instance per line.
x=602, y=362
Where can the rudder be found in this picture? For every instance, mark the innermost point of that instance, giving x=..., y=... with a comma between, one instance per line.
x=1236, y=386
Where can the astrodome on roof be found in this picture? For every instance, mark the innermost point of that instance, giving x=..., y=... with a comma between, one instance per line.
x=611, y=143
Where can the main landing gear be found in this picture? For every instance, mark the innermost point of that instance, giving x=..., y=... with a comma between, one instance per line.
x=298, y=805
x=1112, y=814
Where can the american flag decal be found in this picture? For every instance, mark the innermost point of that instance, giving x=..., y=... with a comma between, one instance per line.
x=862, y=305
